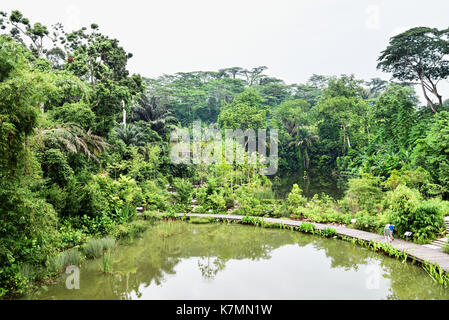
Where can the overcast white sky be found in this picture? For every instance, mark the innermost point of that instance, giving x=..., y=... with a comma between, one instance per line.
x=294, y=39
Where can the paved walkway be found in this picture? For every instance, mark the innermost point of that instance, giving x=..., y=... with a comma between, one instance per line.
x=415, y=251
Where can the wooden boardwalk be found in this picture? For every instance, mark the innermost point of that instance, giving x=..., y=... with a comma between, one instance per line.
x=418, y=252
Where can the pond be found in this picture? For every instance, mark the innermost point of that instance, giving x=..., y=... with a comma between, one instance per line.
x=310, y=186
x=180, y=260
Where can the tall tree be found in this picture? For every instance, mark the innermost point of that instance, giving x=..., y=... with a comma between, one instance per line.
x=37, y=37
x=153, y=112
x=341, y=119
x=245, y=112
x=394, y=114
x=419, y=54
x=102, y=62
x=303, y=139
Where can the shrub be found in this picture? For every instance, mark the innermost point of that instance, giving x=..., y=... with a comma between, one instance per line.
x=410, y=178
x=367, y=222
x=201, y=195
x=27, y=233
x=56, y=196
x=103, y=196
x=79, y=113
x=155, y=198
x=274, y=208
x=199, y=209
x=217, y=202
x=295, y=200
x=247, y=205
x=124, y=214
x=402, y=200
x=426, y=222
x=55, y=167
x=363, y=193
x=408, y=212
x=418, y=179
x=93, y=202
x=184, y=190
x=70, y=237
x=229, y=202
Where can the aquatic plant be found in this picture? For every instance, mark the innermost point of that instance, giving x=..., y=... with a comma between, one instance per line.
x=307, y=227
x=63, y=259
x=95, y=247
x=329, y=232
x=169, y=215
x=153, y=215
x=436, y=273
x=256, y=221
x=106, y=262
x=168, y=229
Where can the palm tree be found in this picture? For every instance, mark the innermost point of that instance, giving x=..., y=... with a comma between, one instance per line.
x=74, y=138
x=302, y=138
x=131, y=135
x=157, y=115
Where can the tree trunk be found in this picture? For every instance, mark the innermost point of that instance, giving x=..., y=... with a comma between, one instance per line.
x=303, y=160
x=124, y=114
x=429, y=102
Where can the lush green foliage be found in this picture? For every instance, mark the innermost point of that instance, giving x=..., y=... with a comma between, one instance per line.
x=408, y=213
x=83, y=145
x=432, y=152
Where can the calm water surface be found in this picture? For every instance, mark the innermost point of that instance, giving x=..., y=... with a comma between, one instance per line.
x=329, y=185
x=179, y=260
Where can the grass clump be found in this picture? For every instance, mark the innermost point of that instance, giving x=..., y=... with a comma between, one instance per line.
x=64, y=259
x=307, y=227
x=96, y=247
x=168, y=228
x=106, y=262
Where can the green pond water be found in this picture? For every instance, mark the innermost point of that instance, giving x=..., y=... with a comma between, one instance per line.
x=179, y=260
x=312, y=185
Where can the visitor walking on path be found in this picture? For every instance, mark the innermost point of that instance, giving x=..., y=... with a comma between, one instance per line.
x=388, y=232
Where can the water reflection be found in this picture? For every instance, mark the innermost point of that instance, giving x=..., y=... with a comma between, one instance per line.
x=329, y=185
x=241, y=262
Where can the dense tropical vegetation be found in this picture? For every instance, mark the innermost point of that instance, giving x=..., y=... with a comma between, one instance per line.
x=83, y=143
